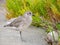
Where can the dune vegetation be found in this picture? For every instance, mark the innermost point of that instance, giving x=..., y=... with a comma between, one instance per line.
x=47, y=12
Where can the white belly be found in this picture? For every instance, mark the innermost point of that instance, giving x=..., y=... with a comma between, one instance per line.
x=25, y=24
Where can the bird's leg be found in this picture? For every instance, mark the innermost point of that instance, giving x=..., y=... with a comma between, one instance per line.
x=21, y=35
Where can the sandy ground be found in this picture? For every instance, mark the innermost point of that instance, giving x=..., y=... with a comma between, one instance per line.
x=31, y=36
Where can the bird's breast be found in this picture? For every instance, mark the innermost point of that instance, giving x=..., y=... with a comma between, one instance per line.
x=27, y=22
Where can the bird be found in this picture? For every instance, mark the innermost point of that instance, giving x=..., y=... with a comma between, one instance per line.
x=21, y=22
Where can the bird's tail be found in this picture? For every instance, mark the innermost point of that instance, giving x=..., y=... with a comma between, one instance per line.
x=6, y=25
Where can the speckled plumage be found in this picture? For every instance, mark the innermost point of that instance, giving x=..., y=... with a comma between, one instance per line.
x=21, y=22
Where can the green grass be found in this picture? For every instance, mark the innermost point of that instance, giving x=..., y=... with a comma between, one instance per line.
x=18, y=7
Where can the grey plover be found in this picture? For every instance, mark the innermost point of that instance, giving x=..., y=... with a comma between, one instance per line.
x=21, y=22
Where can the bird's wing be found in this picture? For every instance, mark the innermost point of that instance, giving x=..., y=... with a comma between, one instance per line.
x=9, y=21
x=16, y=21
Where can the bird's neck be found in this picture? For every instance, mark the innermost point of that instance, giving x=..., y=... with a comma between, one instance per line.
x=27, y=16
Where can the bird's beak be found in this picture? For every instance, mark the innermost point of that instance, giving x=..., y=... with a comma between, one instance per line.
x=33, y=15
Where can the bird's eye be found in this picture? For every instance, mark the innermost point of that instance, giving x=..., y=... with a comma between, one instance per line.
x=29, y=13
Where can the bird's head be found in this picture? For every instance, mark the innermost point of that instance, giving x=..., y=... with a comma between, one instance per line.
x=28, y=13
